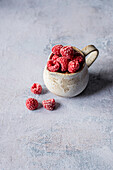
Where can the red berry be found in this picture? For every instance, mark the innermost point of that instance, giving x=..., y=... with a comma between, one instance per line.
x=36, y=88
x=31, y=104
x=67, y=51
x=49, y=104
x=55, y=57
x=64, y=63
x=73, y=66
x=51, y=56
x=56, y=49
x=76, y=53
x=53, y=65
x=79, y=58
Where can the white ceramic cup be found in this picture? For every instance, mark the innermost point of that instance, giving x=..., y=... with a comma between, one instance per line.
x=71, y=84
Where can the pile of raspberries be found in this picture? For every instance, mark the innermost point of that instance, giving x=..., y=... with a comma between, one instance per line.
x=32, y=104
x=65, y=59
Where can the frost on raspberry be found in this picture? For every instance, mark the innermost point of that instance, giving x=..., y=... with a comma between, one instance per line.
x=64, y=63
x=36, y=88
x=31, y=103
x=73, y=66
x=55, y=57
x=49, y=104
x=67, y=51
x=56, y=49
x=53, y=65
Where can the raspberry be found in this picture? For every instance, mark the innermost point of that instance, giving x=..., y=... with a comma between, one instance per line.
x=76, y=53
x=49, y=104
x=53, y=65
x=31, y=104
x=36, y=88
x=56, y=49
x=51, y=56
x=67, y=51
x=55, y=57
x=79, y=58
x=64, y=63
x=73, y=66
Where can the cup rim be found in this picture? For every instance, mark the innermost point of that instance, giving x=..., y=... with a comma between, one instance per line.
x=68, y=74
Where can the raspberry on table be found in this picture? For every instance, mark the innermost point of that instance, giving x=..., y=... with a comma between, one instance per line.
x=36, y=88
x=49, y=104
x=55, y=57
x=67, y=51
x=53, y=65
x=31, y=103
x=73, y=66
x=64, y=63
x=56, y=49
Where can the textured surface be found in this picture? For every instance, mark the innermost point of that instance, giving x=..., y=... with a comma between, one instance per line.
x=78, y=135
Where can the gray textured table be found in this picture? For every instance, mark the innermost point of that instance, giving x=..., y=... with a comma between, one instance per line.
x=78, y=134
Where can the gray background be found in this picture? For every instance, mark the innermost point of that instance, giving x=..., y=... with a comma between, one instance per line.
x=78, y=134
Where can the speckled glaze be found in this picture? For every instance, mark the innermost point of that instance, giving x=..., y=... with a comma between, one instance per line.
x=70, y=85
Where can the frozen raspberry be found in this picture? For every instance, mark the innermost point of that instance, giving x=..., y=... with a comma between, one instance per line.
x=79, y=58
x=64, y=63
x=36, y=88
x=56, y=49
x=51, y=56
x=67, y=51
x=55, y=57
x=73, y=66
x=53, y=65
x=49, y=104
x=76, y=53
x=31, y=104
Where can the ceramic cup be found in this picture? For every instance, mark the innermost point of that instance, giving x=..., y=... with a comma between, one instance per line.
x=71, y=84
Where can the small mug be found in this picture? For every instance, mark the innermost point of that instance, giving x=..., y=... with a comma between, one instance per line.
x=71, y=84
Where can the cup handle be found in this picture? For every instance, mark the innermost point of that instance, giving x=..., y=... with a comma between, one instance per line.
x=93, y=54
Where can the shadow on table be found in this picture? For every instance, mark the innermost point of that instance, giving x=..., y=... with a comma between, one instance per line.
x=40, y=105
x=57, y=105
x=97, y=82
x=44, y=90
